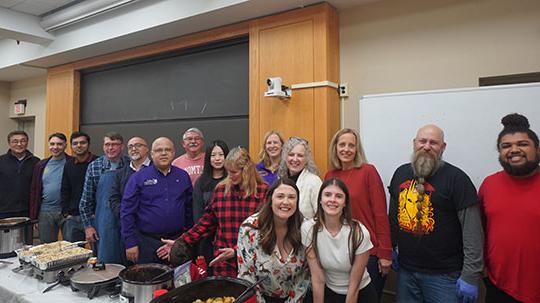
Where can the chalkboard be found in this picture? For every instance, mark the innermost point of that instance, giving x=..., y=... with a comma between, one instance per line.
x=205, y=87
x=470, y=118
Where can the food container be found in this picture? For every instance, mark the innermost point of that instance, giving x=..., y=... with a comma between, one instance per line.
x=139, y=283
x=93, y=279
x=204, y=289
x=53, y=255
x=12, y=235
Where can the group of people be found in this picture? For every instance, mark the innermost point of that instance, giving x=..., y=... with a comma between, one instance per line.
x=308, y=239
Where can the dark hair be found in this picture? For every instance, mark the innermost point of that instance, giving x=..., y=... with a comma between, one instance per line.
x=78, y=134
x=59, y=136
x=15, y=133
x=355, y=236
x=114, y=136
x=206, y=177
x=516, y=123
x=267, y=230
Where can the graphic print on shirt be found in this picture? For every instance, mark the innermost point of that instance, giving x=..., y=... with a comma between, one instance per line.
x=408, y=209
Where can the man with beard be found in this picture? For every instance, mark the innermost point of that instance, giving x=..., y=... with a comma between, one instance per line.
x=157, y=204
x=193, y=160
x=45, y=197
x=138, y=154
x=510, y=201
x=435, y=225
x=72, y=186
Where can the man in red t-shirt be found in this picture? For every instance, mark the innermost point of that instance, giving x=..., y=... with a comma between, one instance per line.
x=510, y=201
x=193, y=160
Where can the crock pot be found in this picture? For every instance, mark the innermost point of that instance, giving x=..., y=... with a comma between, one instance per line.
x=139, y=283
x=12, y=235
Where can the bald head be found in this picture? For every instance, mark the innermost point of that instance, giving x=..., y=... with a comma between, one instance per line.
x=430, y=138
x=162, y=153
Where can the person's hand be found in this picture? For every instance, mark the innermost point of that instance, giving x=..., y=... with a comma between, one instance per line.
x=467, y=293
x=225, y=254
x=91, y=234
x=395, y=263
x=164, y=251
x=132, y=254
x=384, y=266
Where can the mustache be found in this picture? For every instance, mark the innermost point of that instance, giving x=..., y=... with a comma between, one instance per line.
x=424, y=164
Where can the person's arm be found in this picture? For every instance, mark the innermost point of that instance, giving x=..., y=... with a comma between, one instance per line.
x=473, y=244
x=35, y=190
x=317, y=276
x=247, y=257
x=377, y=202
x=87, y=203
x=355, y=277
x=129, y=207
x=314, y=192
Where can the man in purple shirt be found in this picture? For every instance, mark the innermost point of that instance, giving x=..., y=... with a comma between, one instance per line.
x=157, y=203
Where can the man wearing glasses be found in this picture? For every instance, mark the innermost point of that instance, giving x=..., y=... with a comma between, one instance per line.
x=138, y=154
x=100, y=223
x=16, y=168
x=72, y=186
x=193, y=160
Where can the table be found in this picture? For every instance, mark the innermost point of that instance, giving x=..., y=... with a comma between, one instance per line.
x=20, y=288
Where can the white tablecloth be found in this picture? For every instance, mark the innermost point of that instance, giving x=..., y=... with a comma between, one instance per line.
x=20, y=288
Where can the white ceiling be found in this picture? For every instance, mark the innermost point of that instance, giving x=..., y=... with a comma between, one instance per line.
x=34, y=7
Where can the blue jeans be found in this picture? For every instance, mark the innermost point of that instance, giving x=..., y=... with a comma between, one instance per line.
x=426, y=288
x=72, y=229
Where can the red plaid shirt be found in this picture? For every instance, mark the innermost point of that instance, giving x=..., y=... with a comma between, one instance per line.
x=223, y=216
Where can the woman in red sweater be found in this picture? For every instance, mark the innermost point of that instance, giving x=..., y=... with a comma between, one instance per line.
x=368, y=200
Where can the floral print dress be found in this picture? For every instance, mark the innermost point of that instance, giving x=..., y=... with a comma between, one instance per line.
x=288, y=279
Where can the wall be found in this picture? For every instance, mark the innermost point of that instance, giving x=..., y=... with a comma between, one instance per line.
x=34, y=91
x=6, y=124
x=393, y=46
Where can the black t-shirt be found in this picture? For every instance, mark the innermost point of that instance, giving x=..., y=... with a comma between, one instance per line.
x=436, y=247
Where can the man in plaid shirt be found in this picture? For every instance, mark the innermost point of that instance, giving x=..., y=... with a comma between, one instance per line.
x=234, y=199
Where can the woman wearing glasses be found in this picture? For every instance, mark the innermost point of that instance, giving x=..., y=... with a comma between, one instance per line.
x=297, y=164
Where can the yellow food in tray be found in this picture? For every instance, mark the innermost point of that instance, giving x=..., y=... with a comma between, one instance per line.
x=61, y=254
x=216, y=300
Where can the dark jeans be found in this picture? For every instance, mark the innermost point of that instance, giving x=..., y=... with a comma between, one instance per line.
x=428, y=288
x=494, y=294
x=72, y=229
x=366, y=295
x=49, y=225
x=376, y=278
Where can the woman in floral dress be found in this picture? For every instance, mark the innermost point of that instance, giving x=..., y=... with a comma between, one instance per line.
x=270, y=247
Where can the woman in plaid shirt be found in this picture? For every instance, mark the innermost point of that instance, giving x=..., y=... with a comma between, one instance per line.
x=234, y=199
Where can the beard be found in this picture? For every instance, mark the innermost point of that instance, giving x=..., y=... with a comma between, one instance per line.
x=521, y=170
x=424, y=164
x=135, y=157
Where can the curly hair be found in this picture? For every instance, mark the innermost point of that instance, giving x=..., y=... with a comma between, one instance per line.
x=516, y=123
x=287, y=147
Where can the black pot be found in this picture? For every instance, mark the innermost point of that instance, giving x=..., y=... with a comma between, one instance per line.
x=203, y=289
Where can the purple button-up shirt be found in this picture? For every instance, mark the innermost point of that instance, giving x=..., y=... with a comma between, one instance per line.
x=156, y=204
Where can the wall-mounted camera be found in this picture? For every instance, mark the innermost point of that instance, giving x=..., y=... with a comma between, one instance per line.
x=276, y=88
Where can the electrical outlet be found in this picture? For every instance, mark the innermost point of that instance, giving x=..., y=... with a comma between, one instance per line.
x=343, y=90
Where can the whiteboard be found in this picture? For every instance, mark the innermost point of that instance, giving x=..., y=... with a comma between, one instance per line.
x=470, y=118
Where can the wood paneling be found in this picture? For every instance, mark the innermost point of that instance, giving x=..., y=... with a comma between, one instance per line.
x=62, y=110
x=299, y=46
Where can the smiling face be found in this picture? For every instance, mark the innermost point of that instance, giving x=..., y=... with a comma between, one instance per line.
x=193, y=144
x=284, y=202
x=217, y=158
x=112, y=148
x=18, y=144
x=80, y=146
x=162, y=153
x=517, y=154
x=296, y=159
x=346, y=149
x=333, y=201
x=273, y=146
x=137, y=149
x=57, y=147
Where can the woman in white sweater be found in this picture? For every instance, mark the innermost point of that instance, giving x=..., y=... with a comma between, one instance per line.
x=297, y=164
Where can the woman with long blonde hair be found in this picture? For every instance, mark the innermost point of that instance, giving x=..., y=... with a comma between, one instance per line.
x=270, y=156
x=235, y=198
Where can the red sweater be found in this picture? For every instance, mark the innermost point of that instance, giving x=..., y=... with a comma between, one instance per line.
x=368, y=204
x=511, y=209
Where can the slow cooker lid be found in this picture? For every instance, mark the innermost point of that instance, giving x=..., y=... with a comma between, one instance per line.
x=11, y=222
x=91, y=276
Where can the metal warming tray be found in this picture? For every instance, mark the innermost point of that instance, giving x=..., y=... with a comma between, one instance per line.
x=54, y=255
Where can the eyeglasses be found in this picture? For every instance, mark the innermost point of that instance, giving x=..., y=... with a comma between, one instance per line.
x=136, y=145
x=22, y=141
x=192, y=139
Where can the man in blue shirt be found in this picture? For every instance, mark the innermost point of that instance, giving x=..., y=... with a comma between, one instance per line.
x=157, y=203
x=45, y=201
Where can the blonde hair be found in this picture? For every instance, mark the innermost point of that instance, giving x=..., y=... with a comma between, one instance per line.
x=263, y=155
x=359, y=157
x=238, y=158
